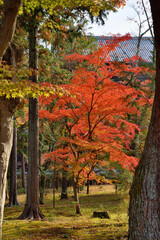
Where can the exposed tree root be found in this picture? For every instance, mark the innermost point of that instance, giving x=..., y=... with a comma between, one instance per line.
x=32, y=213
x=11, y=203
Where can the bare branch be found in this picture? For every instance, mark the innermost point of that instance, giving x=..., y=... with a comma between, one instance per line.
x=149, y=25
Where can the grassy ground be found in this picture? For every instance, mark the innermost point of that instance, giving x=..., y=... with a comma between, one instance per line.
x=63, y=223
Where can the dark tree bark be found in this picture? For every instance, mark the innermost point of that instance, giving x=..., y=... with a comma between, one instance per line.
x=10, y=58
x=7, y=28
x=42, y=186
x=88, y=181
x=144, y=209
x=7, y=107
x=57, y=180
x=23, y=171
x=13, y=172
x=64, y=185
x=42, y=179
x=32, y=209
x=88, y=174
x=54, y=186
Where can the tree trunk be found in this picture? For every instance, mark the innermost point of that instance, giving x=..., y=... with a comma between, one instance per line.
x=64, y=185
x=76, y=198
x=54, y=186
x=32, y=210
x=54, y=194
x=88, y=183
x=13, y=172
x=7, y=108
x=144, y=209
x=42, y=186
x=7, y=28
x=88, y=174
x=23, y=171
x=57, y=180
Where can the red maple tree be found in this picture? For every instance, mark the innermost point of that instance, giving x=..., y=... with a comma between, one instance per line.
x=95, y=116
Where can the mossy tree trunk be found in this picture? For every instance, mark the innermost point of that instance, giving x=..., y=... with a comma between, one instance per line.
x=144, y=209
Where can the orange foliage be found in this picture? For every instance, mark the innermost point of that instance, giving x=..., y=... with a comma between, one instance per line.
x=96, y=113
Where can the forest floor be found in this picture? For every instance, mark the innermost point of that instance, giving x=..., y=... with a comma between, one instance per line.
x=63, y=223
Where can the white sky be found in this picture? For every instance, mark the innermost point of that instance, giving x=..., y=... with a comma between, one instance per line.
x=118, y=23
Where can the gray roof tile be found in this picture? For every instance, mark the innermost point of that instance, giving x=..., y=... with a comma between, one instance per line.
x=128, y=48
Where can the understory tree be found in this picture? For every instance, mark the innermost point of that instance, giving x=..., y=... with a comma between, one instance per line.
x=94, y=115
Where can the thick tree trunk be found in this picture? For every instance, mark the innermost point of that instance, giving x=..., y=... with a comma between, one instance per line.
x=144, y=209
x=32, y=210
x=144, y=219
x=13, y=172
x=7, y=108
x=7, y=28
x=64, y=185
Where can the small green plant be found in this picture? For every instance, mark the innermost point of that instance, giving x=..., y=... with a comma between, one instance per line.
x=21, y=191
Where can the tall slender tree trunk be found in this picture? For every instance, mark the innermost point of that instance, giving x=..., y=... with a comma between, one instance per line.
x=54, y=187
x=64, y=185
x=76, y=198
x=57, y=180
x=88, y=174
x=32, y=210
x=42, y=186
x=13, y=172
x=88, y=183
x=144, y=209
x=23, y=171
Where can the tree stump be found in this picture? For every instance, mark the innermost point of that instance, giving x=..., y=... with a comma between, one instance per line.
x=99, y=214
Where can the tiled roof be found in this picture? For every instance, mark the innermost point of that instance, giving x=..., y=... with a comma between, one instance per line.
x=128, y=48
